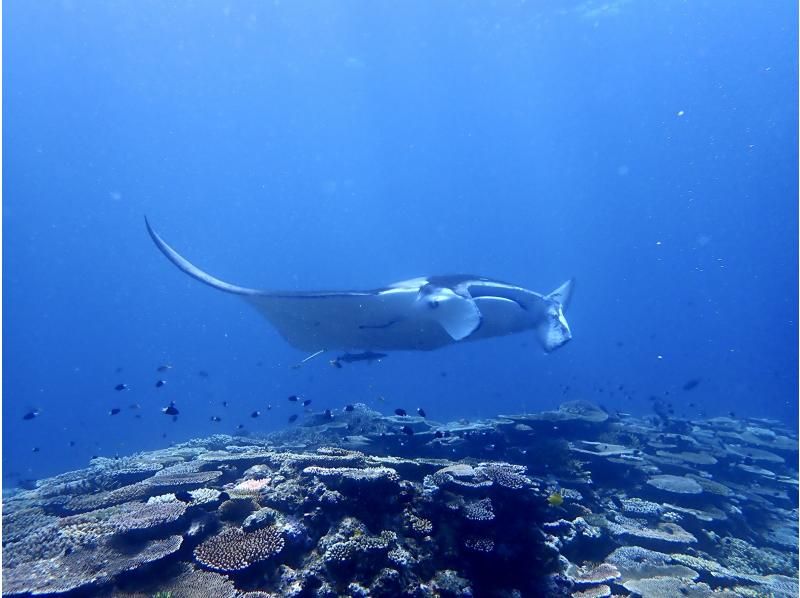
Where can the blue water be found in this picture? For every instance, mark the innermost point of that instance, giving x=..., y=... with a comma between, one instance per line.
x=649, y=149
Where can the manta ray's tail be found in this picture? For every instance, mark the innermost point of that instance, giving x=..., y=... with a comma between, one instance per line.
x=554, y=330
x=186, y=266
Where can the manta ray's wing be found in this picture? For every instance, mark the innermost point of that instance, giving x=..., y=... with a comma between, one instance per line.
x=384, y=319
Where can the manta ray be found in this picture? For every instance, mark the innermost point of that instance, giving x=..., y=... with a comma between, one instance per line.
x=420, y=314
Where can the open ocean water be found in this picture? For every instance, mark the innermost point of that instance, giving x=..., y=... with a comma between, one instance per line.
x=646, y=150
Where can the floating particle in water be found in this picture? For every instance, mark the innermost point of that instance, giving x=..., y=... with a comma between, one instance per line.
x=216, y=418
x=400, y=412
x=171, y=409
x=160, y=383
x=32, y=414
x=134, y=406
x=691, y=384
x=122, y=387
x=114, y=411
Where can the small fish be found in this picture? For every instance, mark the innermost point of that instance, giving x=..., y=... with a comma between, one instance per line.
x=33, y=413
x=400, y=412
x=691, y=384
x=122, y=387
x=732, y=414
x=269, y=406
x=407, y=431
x=202, y=374
x=293, y=398
x=183, y=496
x=336, y=363
x=292, y=418
x=349, y=408
x=134, y=406
x=171, y=410
x=164, y=368
x=224, y=403
x=35, y=449
x=555, y=499
x=216, y=418
x=255, y=414
x=174, y=418
x=328, y=414
x=160, y=383
x=114, y=411
x=118, y=370
x=306, y=403
x=421, y=412
x=240, y=427
x=72, y=443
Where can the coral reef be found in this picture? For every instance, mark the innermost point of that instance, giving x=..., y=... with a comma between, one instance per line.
x=356, y=506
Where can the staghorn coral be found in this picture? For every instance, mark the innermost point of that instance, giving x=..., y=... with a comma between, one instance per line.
x=478, y=510
x=233, y=549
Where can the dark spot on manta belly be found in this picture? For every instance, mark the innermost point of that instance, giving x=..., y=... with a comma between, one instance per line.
x=377, y=326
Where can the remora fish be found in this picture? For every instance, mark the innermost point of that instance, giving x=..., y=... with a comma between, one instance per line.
x=420, y=314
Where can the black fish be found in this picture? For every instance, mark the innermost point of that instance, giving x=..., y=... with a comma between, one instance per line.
x=255, y=414
x=31, y=414
x=72, y=443
x=349, y=408
x=160, y=383
x=240, y=427
x=691, y=384
x=183, y=496
x=292, y=418
x=336, y=363
x=114, y=411
x=35, y=449
x=407, y=430
x=224, y=403
x=400, y=412
x=216, y=418
x=293, y=398
x=121, y=387
x=202, y=374
x=134, y=406
x=224, y=496
x=171, y=410
x=164, y=368
x=328, y=414
x=421, y=412
x=306, y=403
x=438, y=434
